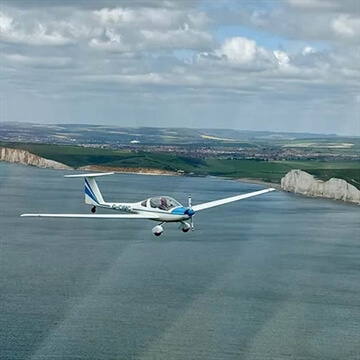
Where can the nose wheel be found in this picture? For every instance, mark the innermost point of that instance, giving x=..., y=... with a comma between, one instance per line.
x=93, y=209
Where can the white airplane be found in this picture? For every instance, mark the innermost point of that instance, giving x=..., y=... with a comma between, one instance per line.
x=162, y=209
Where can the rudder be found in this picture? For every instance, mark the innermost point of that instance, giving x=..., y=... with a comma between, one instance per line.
x=92, y=192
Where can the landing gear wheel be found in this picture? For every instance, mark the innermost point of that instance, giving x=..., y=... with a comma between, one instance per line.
x=185, y=230
x=157, y=230
x=93, y=209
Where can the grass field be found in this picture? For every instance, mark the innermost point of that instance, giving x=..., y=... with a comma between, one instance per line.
x=270, y=171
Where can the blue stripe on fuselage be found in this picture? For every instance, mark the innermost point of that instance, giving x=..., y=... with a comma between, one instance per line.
x=180, y=210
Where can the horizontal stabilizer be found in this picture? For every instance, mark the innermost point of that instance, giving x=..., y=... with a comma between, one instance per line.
x=92, y=216
x=92, y=192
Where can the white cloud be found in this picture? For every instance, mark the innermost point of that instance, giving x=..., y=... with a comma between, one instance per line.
x=308, y=50
x=110, y=41
x=5, y=23
x=345, y=26
x=239, y=53
x=240, y=50
x=282, y=57
x=313, y=4
x=13, y=32
x=96, y=4
x=39, y=62
x=169, y=80
x=303, y=20
x=150, y=40
x=143, y=17
x=138, y=79
x=146, y=29
x=183, y=38
x=325, y=5
x=151, y=18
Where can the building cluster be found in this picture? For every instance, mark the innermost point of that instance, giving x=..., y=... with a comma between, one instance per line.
x=201, y=150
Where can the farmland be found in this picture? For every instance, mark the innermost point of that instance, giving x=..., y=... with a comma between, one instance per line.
x=257, y=169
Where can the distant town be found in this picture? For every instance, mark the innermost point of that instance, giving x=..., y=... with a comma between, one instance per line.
x=199, y=144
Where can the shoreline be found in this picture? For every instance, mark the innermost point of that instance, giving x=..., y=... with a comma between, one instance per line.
x=146, y=171
x=128, y=170
x=158, y=172
x=259, y=182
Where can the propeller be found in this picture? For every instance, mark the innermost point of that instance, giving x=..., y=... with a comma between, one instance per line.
x=191, y=213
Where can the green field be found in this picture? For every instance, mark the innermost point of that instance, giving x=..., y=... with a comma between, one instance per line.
x=270, y=171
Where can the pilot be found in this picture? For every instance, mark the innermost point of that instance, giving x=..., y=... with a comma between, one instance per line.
x=163, y=205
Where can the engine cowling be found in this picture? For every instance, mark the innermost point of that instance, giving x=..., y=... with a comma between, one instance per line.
x=157, y=230
x=185, y=227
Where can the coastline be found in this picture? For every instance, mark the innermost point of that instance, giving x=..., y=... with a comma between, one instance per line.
x=260, y=182
x=127, y=170
x=140, y=171
x=96, y=168
x=45, y=163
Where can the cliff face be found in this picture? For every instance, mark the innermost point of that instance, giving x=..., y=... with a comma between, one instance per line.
x=26, y=158
x=301, y=182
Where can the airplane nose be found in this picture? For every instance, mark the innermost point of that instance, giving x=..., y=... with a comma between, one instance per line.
x=189, y=212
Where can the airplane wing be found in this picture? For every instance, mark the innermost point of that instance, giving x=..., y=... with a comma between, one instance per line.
x=211, y=204
x=91, y=216
x=90, y=175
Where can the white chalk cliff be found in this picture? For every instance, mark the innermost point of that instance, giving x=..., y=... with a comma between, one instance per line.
x=300, y=182
x=26, y=158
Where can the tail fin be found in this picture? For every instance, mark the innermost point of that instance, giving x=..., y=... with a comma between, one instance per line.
x=92, y=192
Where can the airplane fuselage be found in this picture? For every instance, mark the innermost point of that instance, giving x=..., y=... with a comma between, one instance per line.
x=176, y=214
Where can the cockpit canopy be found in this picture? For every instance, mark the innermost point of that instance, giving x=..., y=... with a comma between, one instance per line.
x=161, y=202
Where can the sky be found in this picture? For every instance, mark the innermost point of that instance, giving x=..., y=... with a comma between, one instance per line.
x=284, y=65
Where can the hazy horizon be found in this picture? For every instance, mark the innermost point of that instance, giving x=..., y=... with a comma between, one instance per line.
x=176, y=127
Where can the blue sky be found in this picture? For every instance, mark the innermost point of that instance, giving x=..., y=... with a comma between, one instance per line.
x=286, y=65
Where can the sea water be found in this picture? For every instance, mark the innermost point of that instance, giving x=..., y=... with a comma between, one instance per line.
x=272, y=277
